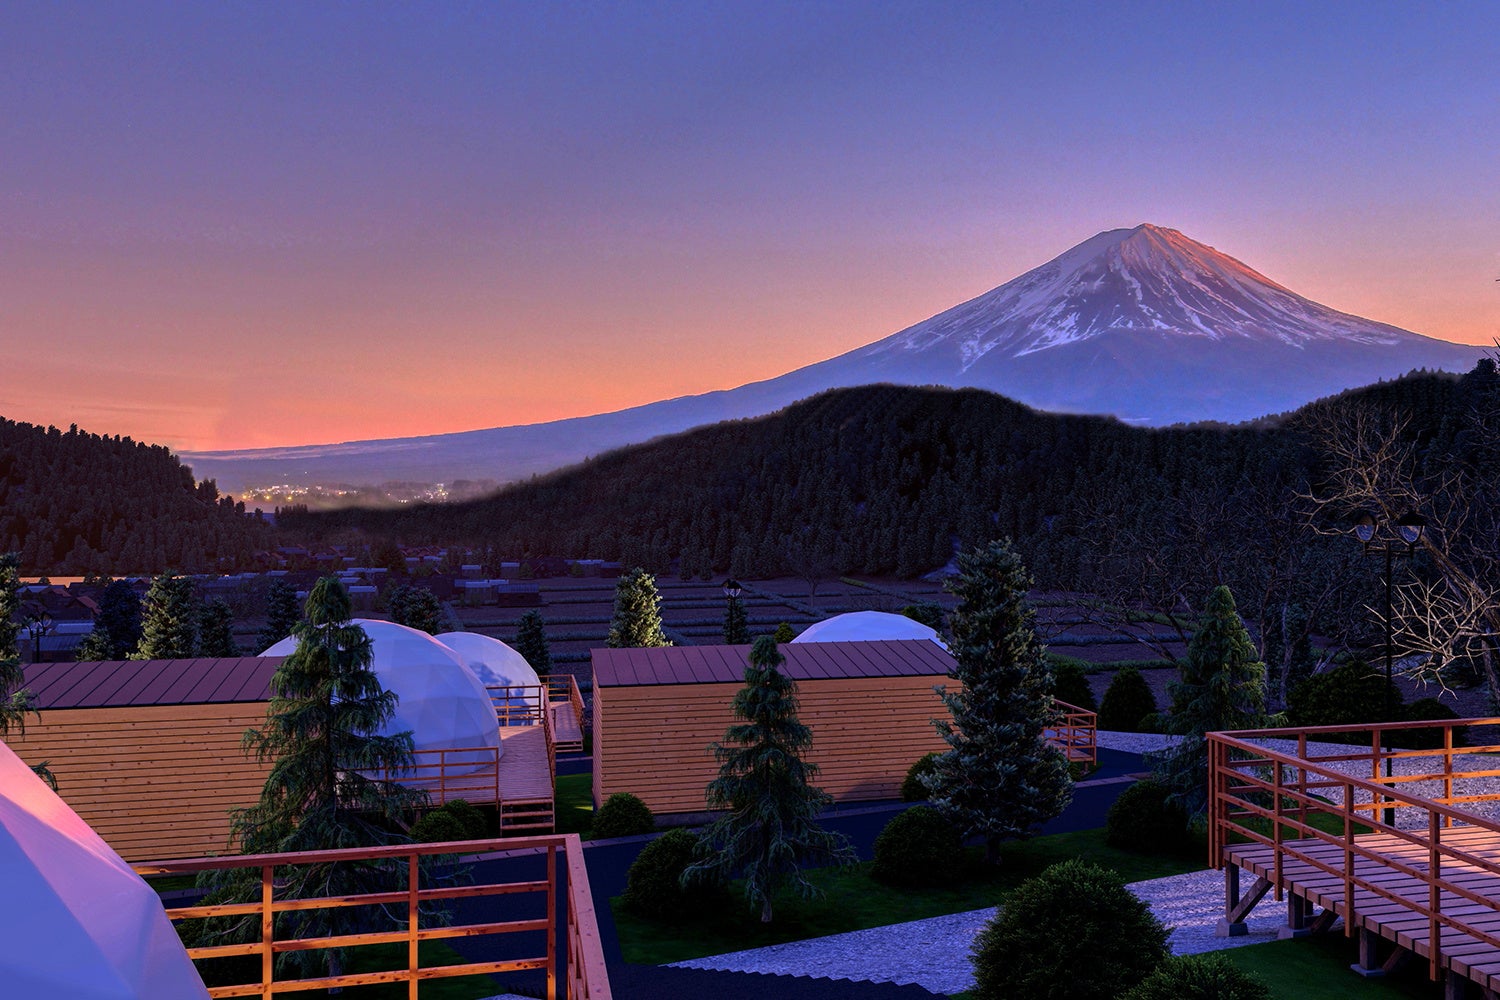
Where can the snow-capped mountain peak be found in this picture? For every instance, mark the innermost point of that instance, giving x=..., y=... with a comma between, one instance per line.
x=1141, y=280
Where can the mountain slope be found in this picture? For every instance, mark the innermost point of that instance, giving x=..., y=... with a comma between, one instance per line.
x=1144, y=324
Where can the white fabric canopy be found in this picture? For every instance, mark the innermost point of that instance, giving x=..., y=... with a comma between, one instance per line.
x=78, y=922
x=868, y=625
x=441, y=701
x=492, y=661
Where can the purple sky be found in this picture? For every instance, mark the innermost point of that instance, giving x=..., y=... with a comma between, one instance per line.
x=233, y=225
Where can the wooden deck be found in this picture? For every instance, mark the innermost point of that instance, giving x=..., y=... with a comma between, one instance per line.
x=1390, y=903
x=1409, y=860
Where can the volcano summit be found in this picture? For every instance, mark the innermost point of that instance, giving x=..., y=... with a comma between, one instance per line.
x=1144, y=324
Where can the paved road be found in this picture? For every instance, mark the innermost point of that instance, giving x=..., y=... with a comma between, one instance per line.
x=609, y=861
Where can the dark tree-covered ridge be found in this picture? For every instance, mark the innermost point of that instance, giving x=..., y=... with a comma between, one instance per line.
x=78, y=503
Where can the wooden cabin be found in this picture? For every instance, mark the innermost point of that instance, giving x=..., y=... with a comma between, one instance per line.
x=870, y=706
x=148, y=751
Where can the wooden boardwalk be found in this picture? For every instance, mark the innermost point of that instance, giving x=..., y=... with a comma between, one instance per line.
x=1408, y=857
x=1378, y=885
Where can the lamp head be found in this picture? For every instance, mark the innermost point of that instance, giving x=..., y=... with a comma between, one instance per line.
x=732, y=588
x=1364, y=526
x=1411, y=525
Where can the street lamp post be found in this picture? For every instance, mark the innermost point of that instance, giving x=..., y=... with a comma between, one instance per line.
x=38, y=626
x=735, y=627
x=1409, y=528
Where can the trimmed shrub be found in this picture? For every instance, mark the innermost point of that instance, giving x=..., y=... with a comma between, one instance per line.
x=438, y=826
x=1351, y=693
x=1127, y=702
x=1200, y=977
x=1072, y=933
x=456, y=820
x=912, y=789
x=1424, y=709
x=1071, y=684
x=918, y=847
x=1142, y=820
x=653, y=885
x=474, y=822
x=622, y=815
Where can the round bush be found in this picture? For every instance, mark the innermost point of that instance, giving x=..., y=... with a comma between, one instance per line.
x=1199, y=977
x=622, y=815
x=438, y=826
x=1070, y=684
x=1142, y=820
x=918, y=847
x=1349, y=694
x=476, y=825
x=1127, y=701
x=1072, y=933
x=912, y=789
x=653, y=885
x=1424, y=709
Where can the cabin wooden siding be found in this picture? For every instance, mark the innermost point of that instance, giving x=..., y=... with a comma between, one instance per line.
x=156, y=782
x=652, y=740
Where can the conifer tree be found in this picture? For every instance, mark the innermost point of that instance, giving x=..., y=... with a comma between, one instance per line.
x=1000, y=778
x=784, y=633
x=117, y=627
x=323, y=736
x=169, y=620
x=281, y=614
x=15, y=699
x=531, y=642
x=736, y=625
x=637, y=618
x=770, y=831
x=416, y=607
x=216, y=630
x=1223, y=687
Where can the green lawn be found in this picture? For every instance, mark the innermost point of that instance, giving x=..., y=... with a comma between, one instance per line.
x=575, y=804
x=852, y=901
x=1317, y=968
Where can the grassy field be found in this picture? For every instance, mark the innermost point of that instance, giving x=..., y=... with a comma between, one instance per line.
x=1318, y=969
x=574, y=801
x=851, y=900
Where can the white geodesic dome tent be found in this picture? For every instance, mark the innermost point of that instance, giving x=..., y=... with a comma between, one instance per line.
x=495, y=663
x=492, y=661
x=868, y=625
x=441, y=702
x=78, y=922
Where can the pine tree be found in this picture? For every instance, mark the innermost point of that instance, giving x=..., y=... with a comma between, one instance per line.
x=1000, y=778
x=281, y=614
x=15, y=699
x=416, y=607
x=637, y=618
x=784, y=633
x=216, y=630
x=117, y=627
x=770, y=831
x=736, y=625
x=169, y=620
x=1223, y=687
x=531, y=642
x=323, y=735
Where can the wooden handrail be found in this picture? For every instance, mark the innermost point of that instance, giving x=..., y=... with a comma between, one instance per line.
x=1238, y=785
x=1075, y=733
x=583, y=967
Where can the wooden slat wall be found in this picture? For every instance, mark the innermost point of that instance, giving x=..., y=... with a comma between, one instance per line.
x=156, y=782
x=652, y=740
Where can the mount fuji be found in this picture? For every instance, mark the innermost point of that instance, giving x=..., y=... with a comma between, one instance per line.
x=1143, y=324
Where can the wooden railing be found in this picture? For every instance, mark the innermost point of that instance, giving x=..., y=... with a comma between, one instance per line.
x=1293, y=801
x=572, y=954
x=564, y=688
x=1075, y=733
x=519, y=704
x=471, y=773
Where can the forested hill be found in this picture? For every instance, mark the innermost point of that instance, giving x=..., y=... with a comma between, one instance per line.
x=884, y=479
x=77, y=503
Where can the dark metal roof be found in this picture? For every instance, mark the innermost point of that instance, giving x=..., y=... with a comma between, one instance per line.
x=115, y=683
x=805, y=661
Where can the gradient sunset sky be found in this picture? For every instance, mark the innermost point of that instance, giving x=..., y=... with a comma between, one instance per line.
x=240, y=225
